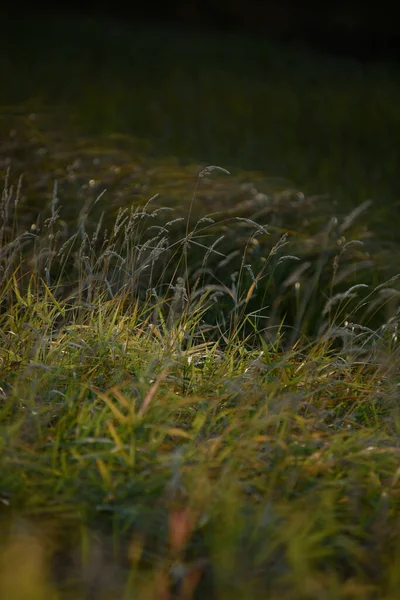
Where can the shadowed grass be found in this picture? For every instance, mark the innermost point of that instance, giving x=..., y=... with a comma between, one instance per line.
x=327, y=124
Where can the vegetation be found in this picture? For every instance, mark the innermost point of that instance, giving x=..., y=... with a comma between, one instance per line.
x=198, y=389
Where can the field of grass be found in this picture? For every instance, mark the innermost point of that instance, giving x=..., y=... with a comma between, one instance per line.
x=199, y=370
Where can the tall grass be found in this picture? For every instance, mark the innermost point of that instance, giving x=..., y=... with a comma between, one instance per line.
x=195, y=405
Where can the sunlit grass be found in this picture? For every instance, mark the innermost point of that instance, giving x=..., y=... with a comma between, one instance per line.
x=186, y=418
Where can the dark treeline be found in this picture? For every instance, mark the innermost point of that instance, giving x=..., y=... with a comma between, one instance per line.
x=362, y=29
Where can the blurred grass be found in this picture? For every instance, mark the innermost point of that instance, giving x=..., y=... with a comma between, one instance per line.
x=328, y=125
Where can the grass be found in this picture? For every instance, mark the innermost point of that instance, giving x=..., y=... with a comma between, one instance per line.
x=199, y=371
x=181, y=421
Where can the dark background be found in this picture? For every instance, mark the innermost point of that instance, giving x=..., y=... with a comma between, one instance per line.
x=365, y=30
x=235, y=98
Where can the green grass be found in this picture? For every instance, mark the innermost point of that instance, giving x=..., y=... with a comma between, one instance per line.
x=166, y=425
x=198, y=390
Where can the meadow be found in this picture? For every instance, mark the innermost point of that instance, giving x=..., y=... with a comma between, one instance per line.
x=199, y=309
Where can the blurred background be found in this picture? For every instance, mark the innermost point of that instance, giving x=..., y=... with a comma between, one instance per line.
x=304, y=93
x=365, y=30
